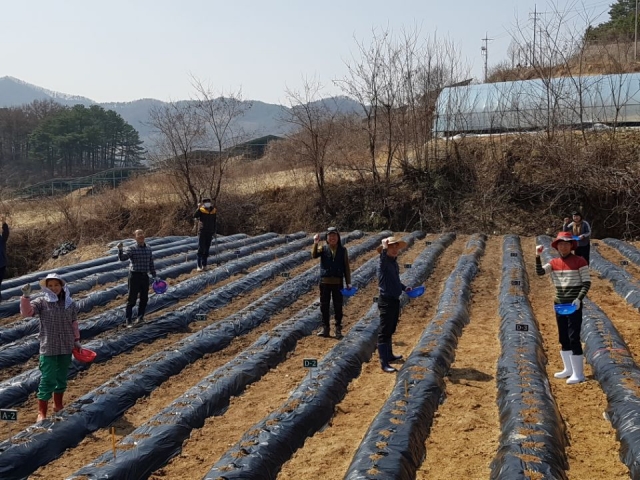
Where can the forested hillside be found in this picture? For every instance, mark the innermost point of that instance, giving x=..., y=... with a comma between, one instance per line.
x=45, y=139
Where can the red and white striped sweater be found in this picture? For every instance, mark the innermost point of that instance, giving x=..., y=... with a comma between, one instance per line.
x=569, y=274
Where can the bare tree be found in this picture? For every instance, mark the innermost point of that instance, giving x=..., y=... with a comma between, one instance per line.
x=396, y=80
x=180, y=132
x=363, y=84
x=221, y=113
x=314, y=120
x=427, y=66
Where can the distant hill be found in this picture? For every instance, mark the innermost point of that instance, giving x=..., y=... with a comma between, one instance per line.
x=261, y=119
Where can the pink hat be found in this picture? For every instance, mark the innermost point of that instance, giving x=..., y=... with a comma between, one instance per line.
x=565, y=237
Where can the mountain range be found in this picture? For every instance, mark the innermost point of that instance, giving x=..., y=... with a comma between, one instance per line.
x=260, y=119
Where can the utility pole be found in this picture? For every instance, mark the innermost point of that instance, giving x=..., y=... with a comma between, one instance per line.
x=535, y=28
x=484, y=49
x=635, y=39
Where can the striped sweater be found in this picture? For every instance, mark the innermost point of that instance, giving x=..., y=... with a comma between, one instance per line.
x=569, y=274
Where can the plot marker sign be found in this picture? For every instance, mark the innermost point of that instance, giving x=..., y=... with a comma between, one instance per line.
x=8, y=415
x=310, y=363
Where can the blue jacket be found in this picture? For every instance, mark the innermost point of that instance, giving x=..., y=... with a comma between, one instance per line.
x=585, y=231
x=389, y=283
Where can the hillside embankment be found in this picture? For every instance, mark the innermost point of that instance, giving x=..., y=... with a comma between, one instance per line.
x=520, y=184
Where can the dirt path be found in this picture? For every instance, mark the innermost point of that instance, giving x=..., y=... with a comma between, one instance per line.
x=467, y=424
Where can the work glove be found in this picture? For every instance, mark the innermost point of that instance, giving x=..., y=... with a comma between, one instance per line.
x=539, y=249
x=120, y=246
x=576, y=302
x=26, y=290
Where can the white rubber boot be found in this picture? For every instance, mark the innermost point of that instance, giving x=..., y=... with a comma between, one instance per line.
x=566, y=361
x=577, y=362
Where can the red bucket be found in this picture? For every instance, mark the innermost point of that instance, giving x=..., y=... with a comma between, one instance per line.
x=84, y=355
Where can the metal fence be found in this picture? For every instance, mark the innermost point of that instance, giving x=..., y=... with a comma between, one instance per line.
x=56, y=186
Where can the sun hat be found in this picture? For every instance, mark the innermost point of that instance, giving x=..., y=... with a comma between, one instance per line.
x=393, y=240
x=564, y=237
x=52, y=276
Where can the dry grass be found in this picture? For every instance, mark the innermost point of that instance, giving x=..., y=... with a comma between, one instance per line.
x=501, y=184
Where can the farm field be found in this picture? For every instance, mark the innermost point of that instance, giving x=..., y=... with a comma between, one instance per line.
x=213, y=384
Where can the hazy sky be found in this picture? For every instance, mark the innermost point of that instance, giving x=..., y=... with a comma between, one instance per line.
x=122, y=50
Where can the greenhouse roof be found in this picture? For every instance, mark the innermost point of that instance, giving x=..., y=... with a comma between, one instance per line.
x=539, y=104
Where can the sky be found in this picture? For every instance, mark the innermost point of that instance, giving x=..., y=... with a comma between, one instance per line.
x=123, y=50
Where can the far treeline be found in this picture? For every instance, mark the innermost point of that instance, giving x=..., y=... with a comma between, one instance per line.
x=45, y=139
x=621, y=24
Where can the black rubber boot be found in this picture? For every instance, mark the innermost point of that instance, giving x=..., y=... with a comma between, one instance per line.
x=392, y=357
x=383, y=352
x=339, y=332
x=324, y=332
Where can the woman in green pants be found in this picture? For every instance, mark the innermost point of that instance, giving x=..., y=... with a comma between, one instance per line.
x=59, y=336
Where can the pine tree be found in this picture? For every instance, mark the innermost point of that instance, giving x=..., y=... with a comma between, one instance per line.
x=621, y=24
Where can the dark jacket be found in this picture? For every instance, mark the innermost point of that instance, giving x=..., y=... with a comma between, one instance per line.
x=389, y=283
x=207, y=218
x=333, y=268
x=3, y=245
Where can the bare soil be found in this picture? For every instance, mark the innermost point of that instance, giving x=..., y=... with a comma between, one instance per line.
x=464, y=436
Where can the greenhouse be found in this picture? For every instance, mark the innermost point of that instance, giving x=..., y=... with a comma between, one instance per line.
x=539, y=104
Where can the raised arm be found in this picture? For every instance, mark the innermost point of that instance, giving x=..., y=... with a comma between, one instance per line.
x=122, y=255
x=5, y=231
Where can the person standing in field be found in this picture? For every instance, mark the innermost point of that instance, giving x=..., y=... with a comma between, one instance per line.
x=205, y=224
x=390, y=288
x=141, y=258
x=3, y=251
x=58, y=334
x=570, y=275
x=582, y=230
x=334, y=268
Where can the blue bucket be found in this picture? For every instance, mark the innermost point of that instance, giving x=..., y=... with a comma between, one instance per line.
x=349, y=292
x=565, y=308
x=415, y=292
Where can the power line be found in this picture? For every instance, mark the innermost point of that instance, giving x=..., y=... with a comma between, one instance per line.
x=484, y=49
x=535, y=14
